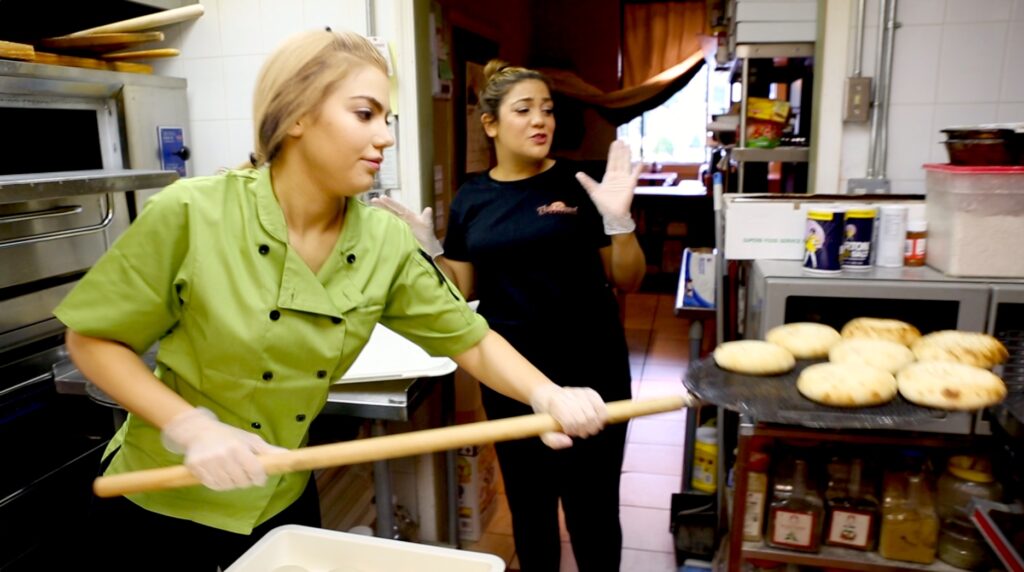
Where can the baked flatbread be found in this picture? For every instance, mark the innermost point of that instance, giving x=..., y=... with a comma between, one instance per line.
x=971, y=348
x=881, y=329
x=805, y=340
x=949, y=385
x=846, y=385
x=882, y=354
x=754, y=357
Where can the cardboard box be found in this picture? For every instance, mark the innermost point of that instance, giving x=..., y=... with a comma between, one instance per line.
x=772, y=226
x=477, y=470
x=776, y=11
x=754, y=32
x=699, y=278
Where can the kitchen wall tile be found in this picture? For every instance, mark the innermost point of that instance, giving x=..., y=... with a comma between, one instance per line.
x=209, y=147
x=240, y=28
x=170, y=67
x=915, y=64
x=1010, y=112
x=280, y=19
x=205, y=88
x=909, y=140
x=239, y=82
x=978, y=10
x=339, y=14
x=854, y=161
x=953, y=115
x=871, y=8
x=240, y=141
x=868, y=50
x=910, y=12
x=1013, y=79
x=200, y=38
x=971, y=62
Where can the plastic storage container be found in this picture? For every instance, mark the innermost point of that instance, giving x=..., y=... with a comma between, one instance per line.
x=295, y=548
x=975, y=220
x=966, y=477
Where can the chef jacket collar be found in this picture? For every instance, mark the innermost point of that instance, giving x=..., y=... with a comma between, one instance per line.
x=300, y=289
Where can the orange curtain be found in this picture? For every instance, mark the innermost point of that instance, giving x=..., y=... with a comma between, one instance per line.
x=657, y=36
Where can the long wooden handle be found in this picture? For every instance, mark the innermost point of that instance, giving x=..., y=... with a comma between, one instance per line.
x=381, y=448
x=142, y=54
x=156, y=20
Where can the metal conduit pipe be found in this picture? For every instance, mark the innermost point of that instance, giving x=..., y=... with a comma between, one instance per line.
x=858, y=37
x=878, y=141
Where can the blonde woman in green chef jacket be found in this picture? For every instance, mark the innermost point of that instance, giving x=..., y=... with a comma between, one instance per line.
x=262, y=286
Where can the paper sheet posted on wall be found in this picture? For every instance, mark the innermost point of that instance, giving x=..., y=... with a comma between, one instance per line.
x=698, y=278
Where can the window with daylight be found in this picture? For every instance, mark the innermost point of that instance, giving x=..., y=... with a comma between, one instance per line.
x=676, y=131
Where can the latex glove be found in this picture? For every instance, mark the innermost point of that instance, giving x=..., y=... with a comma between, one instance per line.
x=422, y=225
x=614, y=195
x=222, y=457
x=579, y=410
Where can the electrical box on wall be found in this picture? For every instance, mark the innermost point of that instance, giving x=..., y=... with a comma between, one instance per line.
x=858, y=99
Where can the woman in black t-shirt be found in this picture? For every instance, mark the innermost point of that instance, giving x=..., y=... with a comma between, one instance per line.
x=542, y=245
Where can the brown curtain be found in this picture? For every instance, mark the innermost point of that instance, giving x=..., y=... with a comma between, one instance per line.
x=667, y=49
x=658, y=35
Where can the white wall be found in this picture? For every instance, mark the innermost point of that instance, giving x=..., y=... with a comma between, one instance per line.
x=221, y=54
x=956, y=62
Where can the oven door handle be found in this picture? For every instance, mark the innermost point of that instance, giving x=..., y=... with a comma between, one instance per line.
x=36, y=215
x=108, y=216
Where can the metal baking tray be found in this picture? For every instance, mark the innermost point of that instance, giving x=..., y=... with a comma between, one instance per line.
x=775, y=399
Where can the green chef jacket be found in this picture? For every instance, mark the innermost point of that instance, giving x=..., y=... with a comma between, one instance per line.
x=246, y=329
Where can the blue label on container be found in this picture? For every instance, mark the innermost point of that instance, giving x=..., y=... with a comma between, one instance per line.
x=856, y=251
x=822, y=241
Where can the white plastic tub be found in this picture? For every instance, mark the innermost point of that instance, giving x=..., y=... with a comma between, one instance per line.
x=975, y=220
x=294, y=548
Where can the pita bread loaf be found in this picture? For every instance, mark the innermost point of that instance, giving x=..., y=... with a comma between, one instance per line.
x=846, y=385
x=950, y=386
x=881, y=329
x=881, y=354
x=971, y=348
x=754, y=357
x=805, y=340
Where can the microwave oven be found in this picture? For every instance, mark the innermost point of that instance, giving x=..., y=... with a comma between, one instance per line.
x=780, y=292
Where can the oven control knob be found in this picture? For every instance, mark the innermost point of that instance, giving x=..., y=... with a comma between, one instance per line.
x=183, y=153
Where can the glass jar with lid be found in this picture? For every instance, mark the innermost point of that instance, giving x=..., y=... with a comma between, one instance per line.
x=962, y=546
x=966, y=477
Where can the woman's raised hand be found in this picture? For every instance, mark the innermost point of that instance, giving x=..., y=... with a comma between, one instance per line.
x=614, y=194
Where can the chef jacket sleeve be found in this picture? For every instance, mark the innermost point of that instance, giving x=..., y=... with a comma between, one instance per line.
x=135, y=293
x=428, y=310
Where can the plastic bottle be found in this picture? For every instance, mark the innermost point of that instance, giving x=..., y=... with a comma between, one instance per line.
x=705, y=460
x=915, y=251
x=892, y=235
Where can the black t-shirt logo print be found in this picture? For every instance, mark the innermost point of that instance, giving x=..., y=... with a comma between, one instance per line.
x=557, y=207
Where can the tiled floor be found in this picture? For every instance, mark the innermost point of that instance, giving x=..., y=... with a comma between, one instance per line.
x=653, y=465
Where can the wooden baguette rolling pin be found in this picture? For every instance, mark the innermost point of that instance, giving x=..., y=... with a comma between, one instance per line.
x=142, y=54
x=387, y=447
x=155, y=20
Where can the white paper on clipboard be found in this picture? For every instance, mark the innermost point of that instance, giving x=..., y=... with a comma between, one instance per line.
x=388, y=355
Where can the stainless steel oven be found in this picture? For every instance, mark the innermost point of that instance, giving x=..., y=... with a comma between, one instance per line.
x=780, y=291
x=79, y=150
